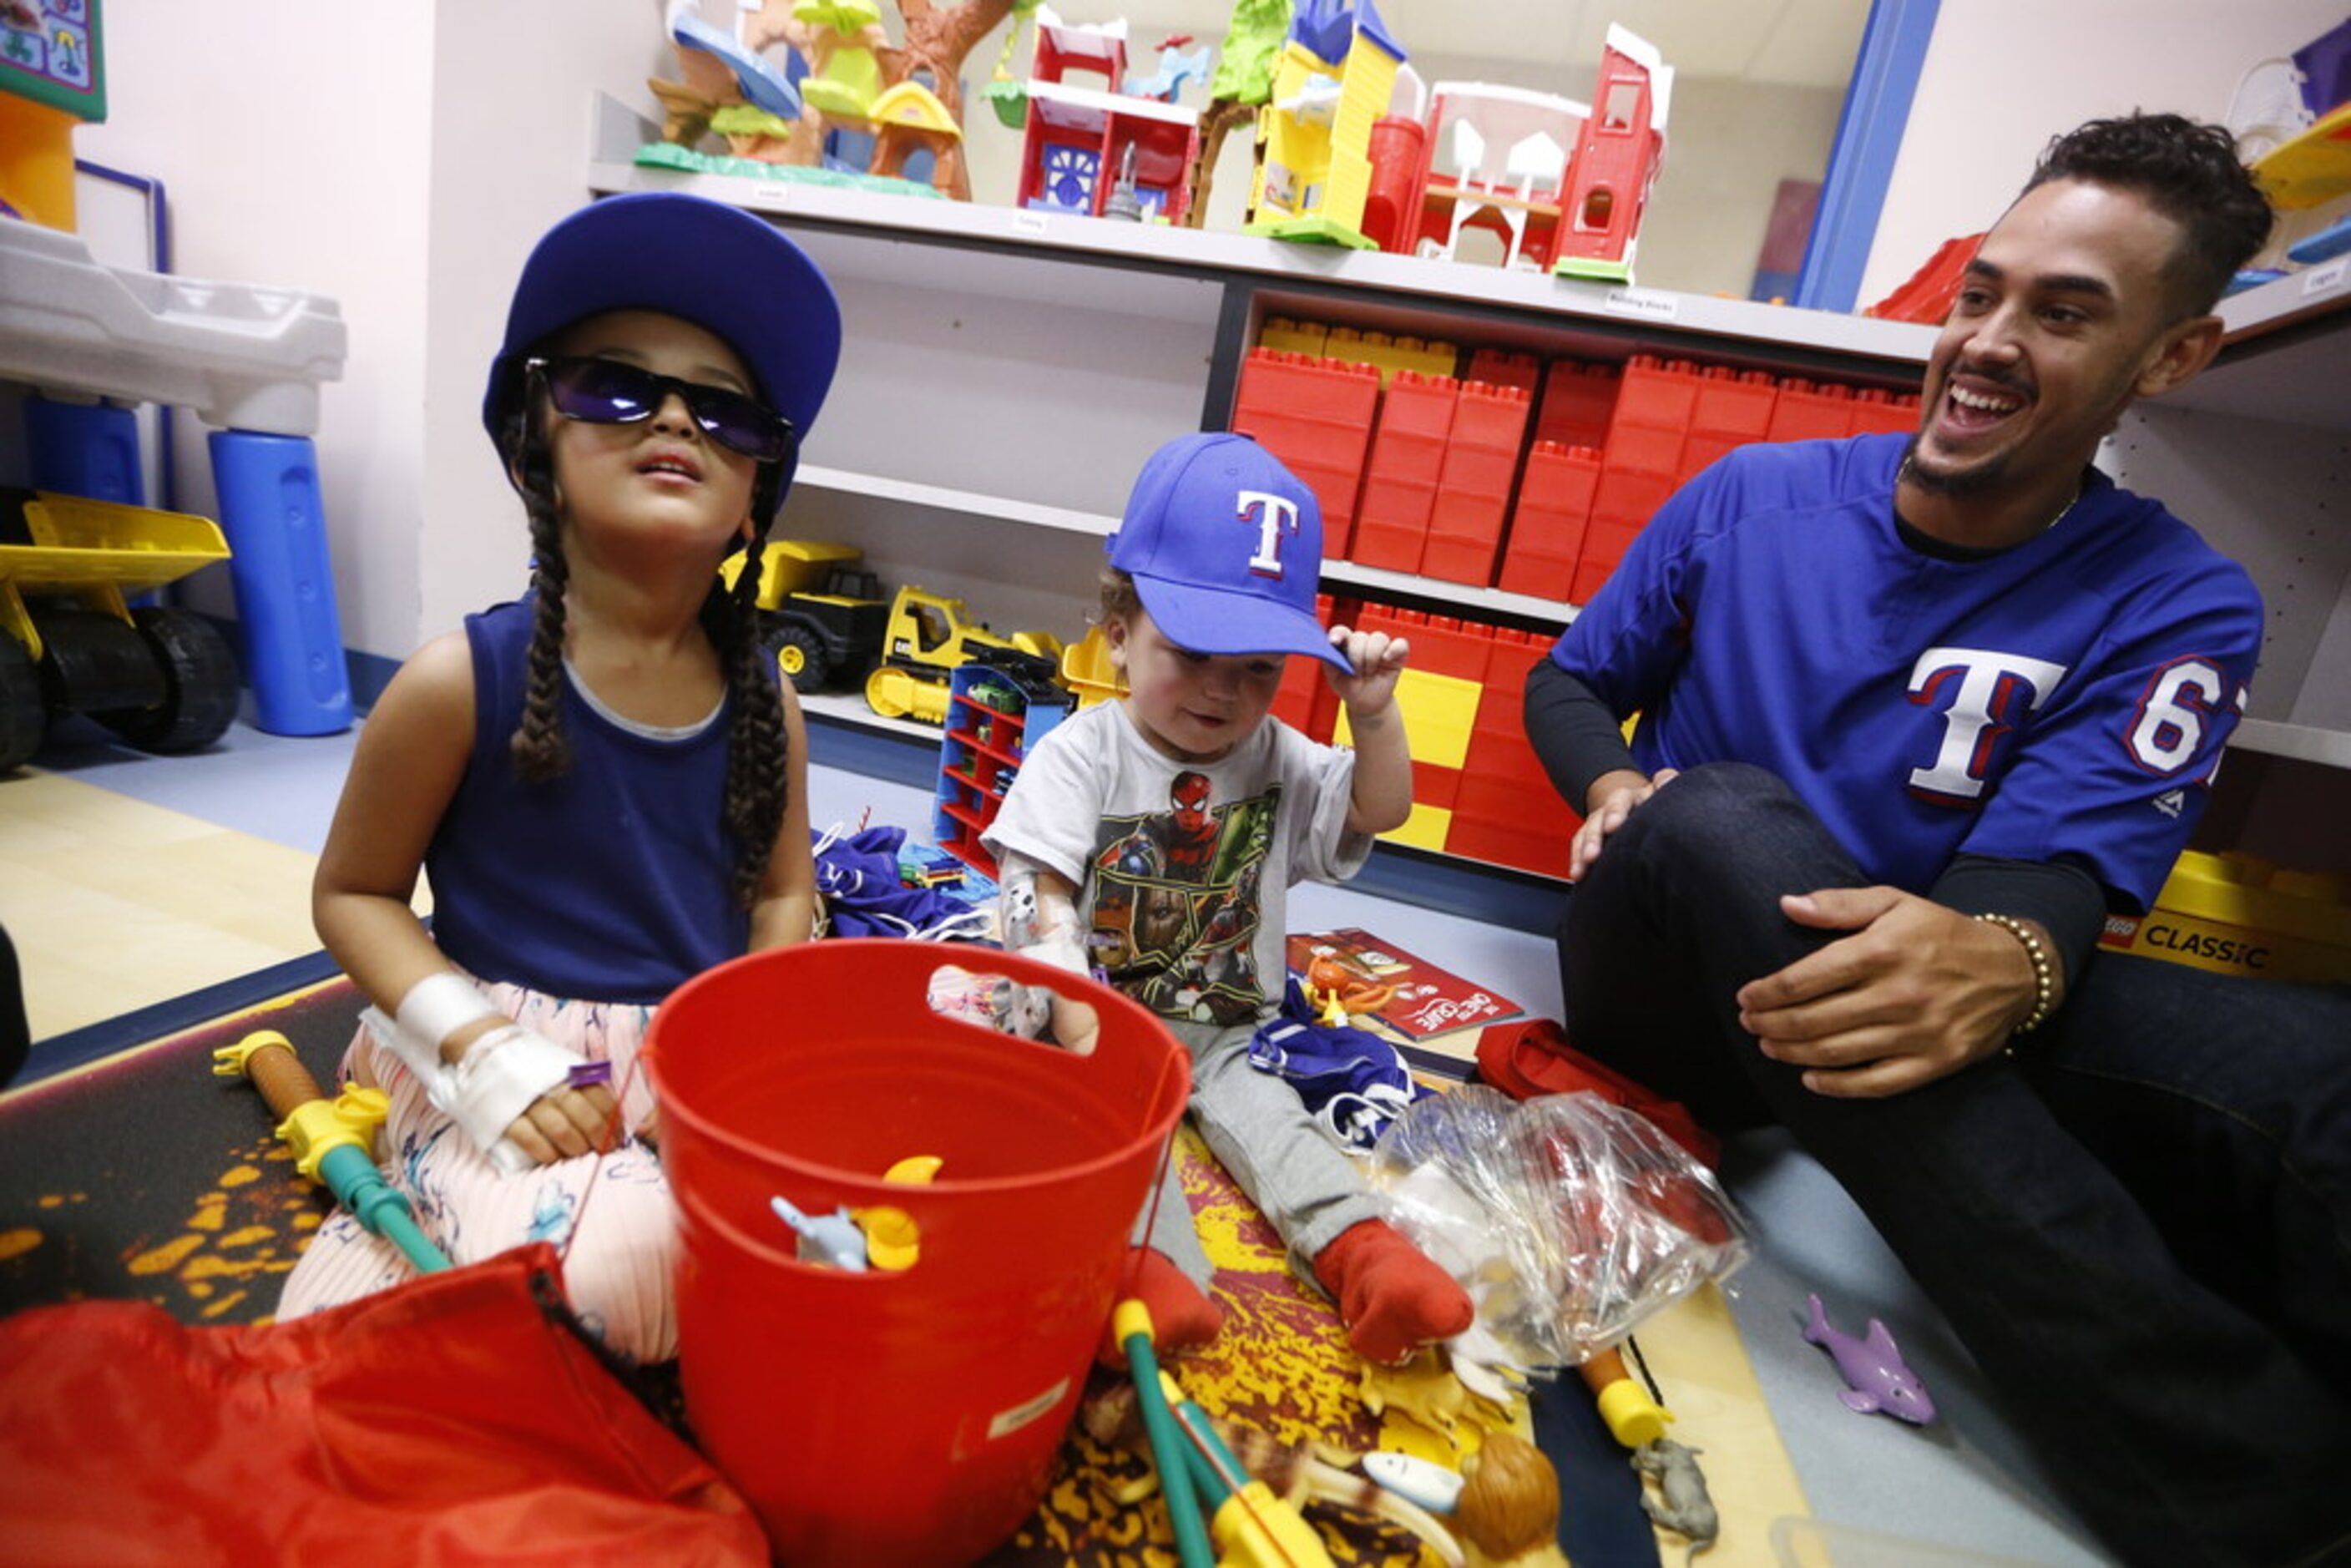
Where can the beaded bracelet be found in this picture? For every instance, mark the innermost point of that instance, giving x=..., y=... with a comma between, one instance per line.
x=2044, y=982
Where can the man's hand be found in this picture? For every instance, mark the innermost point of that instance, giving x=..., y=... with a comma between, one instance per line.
x=1917, y=992
x=1613, y=798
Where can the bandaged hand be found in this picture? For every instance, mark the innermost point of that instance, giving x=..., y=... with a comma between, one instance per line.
x=1040, y=921
x=520, y=1098
x=525, y=1100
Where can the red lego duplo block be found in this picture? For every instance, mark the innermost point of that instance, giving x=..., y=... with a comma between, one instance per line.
x=1316, y=415
x=1810, y=411
x=1434, y=785
x=1604, y=544
x=1400, y=481
x=1443, y=645
x=1468, y=837
x=1511, y=822
x=1481, y=468
x=1731, y=408
x=1579, y=400
x=1547, y=524
x=1624, y=501
x=1506, y=368
x=1876, y=411
x=1652, y=418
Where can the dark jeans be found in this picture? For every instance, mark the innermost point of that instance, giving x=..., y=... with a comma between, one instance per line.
x=2141, y=1229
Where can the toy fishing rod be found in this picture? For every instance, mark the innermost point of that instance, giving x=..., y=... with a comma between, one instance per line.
x=329, y=1139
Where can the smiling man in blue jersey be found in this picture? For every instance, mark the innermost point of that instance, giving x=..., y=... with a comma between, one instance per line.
x=1915, y=714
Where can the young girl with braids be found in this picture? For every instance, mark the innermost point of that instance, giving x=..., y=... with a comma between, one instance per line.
x=603, y=782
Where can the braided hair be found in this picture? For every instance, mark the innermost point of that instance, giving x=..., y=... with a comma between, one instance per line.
x=757, y=747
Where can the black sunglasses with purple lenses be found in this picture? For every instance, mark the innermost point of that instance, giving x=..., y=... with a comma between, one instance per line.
x=609, y=391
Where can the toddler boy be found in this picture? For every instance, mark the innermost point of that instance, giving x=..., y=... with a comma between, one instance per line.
x=1154, y=837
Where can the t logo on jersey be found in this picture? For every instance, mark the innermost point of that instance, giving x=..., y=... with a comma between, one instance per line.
x=1984, y=693
x=1276, y=519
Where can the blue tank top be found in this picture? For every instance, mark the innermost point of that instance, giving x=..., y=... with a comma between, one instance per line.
x=610, y=883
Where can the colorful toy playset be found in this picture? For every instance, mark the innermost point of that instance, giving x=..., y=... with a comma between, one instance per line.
x=1351, y=149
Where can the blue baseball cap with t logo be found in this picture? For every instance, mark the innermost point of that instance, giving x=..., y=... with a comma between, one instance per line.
x=1225, y=545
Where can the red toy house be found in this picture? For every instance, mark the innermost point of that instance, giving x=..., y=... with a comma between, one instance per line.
x=1615, y=160
x=1096, y=150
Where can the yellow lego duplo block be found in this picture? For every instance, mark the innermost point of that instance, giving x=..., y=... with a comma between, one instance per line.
x=1286, y=336
x=2238, y=915
x=1389, y=354
x=1440, y=713
x=1424, y=830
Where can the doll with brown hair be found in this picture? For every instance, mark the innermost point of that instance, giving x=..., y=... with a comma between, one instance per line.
x=603, y=781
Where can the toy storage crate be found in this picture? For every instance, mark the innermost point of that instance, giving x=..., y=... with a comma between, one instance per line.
x=995, y=714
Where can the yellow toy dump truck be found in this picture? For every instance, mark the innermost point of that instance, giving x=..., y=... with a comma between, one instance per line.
x=929, y=636
x=820, y=612
x=163, y=679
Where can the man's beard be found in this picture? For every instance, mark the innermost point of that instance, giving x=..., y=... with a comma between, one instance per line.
x=1975, y=481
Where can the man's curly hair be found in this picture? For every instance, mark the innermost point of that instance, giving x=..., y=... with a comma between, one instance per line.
x=2187, y=172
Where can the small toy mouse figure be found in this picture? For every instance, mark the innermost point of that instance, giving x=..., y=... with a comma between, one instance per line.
x=1872, y=1367
x=1681, y=1503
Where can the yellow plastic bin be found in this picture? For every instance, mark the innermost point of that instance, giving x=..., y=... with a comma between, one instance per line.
x=2237, y=914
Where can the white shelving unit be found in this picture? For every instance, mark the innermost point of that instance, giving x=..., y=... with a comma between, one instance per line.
x=980, y=337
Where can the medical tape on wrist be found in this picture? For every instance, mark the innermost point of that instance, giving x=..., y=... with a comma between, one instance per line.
x=501, y=1075
x=435, y=1007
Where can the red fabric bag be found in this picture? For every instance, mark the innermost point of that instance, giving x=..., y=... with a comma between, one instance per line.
x=450, y=1420
x=1533, y=1057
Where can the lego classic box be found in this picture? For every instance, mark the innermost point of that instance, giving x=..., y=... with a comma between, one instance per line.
x=2237, y=914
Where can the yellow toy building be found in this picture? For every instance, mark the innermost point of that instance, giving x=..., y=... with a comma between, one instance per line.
x=1337, y=71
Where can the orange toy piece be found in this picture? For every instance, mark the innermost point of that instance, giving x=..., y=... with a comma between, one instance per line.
x=1340, y=992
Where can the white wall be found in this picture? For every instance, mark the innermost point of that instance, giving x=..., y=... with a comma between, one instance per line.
x=290, y=146
x=2003, y=77
x=400, y=168
x=513, y=83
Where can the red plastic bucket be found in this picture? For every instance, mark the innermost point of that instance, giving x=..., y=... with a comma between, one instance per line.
x=897, y=1417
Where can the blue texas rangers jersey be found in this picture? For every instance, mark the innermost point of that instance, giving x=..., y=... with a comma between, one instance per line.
x=2066, y=698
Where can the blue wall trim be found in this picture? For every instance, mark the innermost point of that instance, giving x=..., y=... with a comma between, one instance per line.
x=1870, y=128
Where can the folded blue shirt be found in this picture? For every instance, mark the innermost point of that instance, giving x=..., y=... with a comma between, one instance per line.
x=1352, y=1082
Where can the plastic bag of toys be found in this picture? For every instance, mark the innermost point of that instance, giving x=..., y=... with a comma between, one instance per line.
x=1567, y=1218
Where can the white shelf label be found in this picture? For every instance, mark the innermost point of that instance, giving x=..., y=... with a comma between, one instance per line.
x=2318, y=279
x=773, y=195
x=1649, y=304
x=1029, y=223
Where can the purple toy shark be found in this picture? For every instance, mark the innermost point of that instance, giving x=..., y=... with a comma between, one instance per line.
x=1873, y=1368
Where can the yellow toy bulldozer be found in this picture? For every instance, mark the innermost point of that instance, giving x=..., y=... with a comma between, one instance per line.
x=929, y=634
x=160, y=678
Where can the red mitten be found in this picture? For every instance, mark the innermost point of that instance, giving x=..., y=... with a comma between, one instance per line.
x=1393, y=1298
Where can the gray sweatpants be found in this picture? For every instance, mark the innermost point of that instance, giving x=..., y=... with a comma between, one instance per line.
x=1255, y=1125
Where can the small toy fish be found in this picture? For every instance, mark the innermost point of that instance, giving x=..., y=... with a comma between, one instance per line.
x=1872, y=1367
x=832, y=1240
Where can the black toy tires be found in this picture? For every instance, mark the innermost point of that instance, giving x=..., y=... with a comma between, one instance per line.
x=201, y=686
